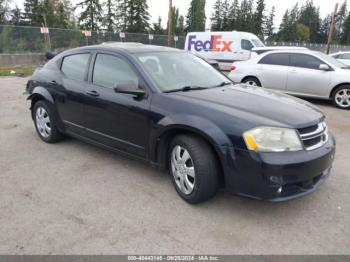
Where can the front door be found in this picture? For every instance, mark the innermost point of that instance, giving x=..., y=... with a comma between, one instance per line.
x=305, y=77
x=114, y=119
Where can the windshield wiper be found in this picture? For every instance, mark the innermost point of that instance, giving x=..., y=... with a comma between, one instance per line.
x=223, y=84
x=186, y=88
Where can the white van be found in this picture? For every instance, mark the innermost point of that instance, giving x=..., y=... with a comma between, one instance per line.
x=225, y=47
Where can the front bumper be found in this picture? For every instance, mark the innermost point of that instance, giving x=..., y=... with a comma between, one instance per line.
x=278, y=176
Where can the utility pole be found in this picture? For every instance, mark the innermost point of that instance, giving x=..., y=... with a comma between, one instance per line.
x=331, y=31
x=47, y=36
x=170, y=24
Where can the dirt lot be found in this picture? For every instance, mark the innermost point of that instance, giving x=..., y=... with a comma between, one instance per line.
x=73, y=198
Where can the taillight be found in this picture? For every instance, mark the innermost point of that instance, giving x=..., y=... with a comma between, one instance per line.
x=232, y=68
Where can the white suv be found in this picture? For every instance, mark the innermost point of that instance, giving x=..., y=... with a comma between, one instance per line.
x=297, y=72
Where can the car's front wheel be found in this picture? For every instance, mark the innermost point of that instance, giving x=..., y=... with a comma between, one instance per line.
x=45, y=122
x=341, y=97
x=193, y=168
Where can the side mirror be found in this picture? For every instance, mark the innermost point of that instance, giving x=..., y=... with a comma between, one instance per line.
x=324, y=67
x=130, y=88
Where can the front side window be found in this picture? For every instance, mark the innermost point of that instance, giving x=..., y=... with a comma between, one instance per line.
x=110, y=71
x=305, y=61
x=246, y=44
x=275, y=59
x=174, y=70
x=74, y=66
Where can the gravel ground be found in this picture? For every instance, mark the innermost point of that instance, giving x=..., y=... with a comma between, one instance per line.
x=73, y=198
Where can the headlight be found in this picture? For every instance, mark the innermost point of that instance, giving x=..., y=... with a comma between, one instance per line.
x=272, y=139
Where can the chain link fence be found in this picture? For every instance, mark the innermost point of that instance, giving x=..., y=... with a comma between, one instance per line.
x=26, y=39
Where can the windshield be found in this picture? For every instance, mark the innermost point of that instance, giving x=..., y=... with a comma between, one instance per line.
x=331, y=60
x=176, y=70
x=258, y=43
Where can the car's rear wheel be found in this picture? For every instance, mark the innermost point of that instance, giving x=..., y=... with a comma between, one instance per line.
x=193, y=168
x=341, y=97
x=252, y=81
x=45, y=122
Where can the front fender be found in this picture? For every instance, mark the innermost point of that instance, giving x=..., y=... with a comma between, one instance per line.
x=192, y=123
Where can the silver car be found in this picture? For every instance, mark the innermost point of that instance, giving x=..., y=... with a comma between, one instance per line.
x=343, y=57
x=297, y=72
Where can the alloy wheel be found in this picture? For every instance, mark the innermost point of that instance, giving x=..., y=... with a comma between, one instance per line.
x=342, y=98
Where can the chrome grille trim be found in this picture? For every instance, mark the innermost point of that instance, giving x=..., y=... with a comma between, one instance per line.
x=320, y=132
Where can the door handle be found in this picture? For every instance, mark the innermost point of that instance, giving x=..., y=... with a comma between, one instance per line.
x=53, y=82
x=92, y=93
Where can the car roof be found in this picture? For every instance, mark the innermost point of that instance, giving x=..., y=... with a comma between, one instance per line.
x=129, y=47
x=279, y=48
x=296, y=51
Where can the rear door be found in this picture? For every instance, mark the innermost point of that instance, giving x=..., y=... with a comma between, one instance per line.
x=71, y=89
x=272, y=71
x=305, y=77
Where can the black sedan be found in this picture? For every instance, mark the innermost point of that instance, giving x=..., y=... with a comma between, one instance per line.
x=173, y=110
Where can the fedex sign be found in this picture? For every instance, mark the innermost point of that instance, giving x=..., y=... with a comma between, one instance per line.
x=214, y=44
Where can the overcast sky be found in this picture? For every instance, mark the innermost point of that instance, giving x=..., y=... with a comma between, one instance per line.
x=160, y=7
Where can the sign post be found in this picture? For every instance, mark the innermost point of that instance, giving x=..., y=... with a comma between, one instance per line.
x=176, y=38
x=150, y=38
x=122, y=36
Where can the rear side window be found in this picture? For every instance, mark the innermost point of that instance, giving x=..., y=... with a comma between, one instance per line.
x=246, y=44
x=275, y=59
x=305, y=61
x=111, y=70
x=74, y=66
x=344, y=56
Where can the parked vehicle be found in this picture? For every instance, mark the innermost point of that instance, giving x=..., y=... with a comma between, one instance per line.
x=225, y=47
x=297, y=72
x=148, y=102
x=343, y=57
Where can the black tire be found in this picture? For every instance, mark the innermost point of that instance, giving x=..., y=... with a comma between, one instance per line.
x=251, y=80
x=54, y=135
x=205, y=168
x=339, y=90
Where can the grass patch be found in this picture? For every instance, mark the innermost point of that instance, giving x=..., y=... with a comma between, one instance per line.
x=17, y=71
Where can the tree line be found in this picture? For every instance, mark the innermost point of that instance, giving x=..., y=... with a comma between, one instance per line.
x=111, y=15
x=299, y=24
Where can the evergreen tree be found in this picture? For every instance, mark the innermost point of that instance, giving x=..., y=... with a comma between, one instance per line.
x=137, y=16
x=181, y=25
x=110, y=16
x=121, y=14
x=157, y=28
x=340, y=18
x=324, y=29
x=91, y=16
x=234, y=14
x=346, y=31
x=244, y=21
x=225, y=15
x=270, y=23
x=216, y=17
x=259, y=19
x=195, y=19
x=4, y=11
x=310, y=16
x=16, y=16
x=31, y=14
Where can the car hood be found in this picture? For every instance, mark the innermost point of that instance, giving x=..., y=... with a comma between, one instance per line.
x=262, y=105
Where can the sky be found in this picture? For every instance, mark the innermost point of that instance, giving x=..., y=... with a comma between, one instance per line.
x=160, y=7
